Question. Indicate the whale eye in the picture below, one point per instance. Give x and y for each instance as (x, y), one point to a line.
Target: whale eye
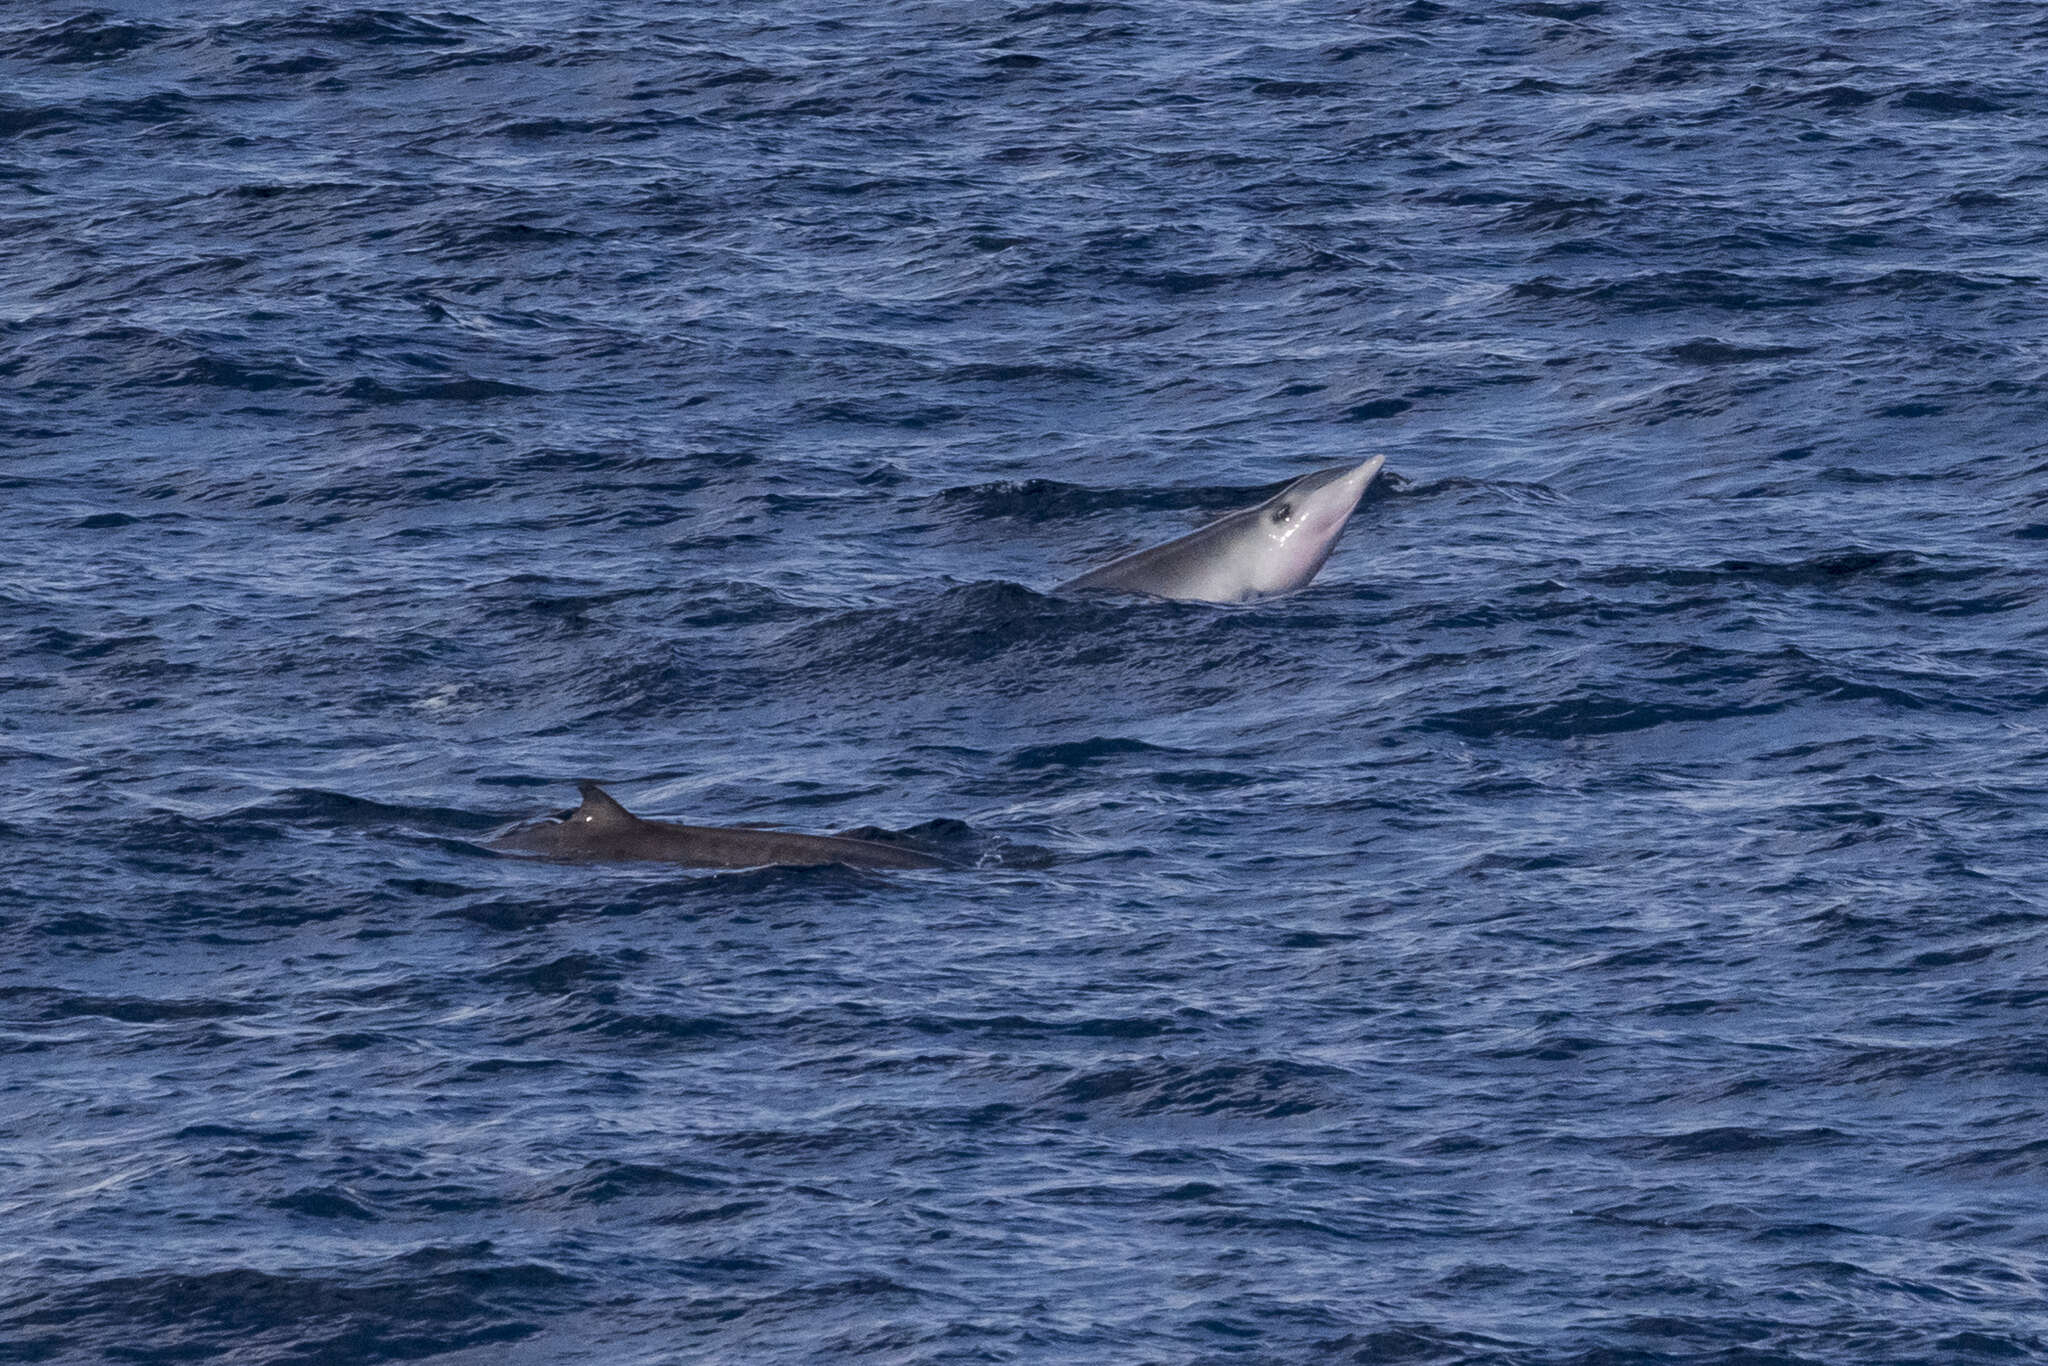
(1282, 513)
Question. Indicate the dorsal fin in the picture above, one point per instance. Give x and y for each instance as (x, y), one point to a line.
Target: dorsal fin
(599, 809)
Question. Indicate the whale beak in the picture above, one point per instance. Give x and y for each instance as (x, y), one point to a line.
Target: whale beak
(1338, 490)
(1362, 475)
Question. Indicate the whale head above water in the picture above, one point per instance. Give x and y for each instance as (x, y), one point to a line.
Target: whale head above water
(1256, 552)
(602, 831)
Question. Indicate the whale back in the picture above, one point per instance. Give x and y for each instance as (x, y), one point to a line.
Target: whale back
(600, 830)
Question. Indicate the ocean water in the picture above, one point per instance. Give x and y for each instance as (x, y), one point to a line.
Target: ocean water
(1598, 921)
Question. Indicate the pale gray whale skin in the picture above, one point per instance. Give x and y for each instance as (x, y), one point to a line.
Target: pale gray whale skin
(1255, 552)
(602, 831)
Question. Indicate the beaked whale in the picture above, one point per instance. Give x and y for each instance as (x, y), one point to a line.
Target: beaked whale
(1255, 552)
(600, 830)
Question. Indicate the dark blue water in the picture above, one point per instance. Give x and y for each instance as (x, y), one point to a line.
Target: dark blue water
(1599, 921)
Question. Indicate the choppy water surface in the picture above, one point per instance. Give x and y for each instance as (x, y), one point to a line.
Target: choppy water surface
(1598, 921)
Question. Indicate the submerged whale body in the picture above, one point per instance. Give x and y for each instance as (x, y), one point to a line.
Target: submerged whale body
(1255, 552)
(602, 831)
